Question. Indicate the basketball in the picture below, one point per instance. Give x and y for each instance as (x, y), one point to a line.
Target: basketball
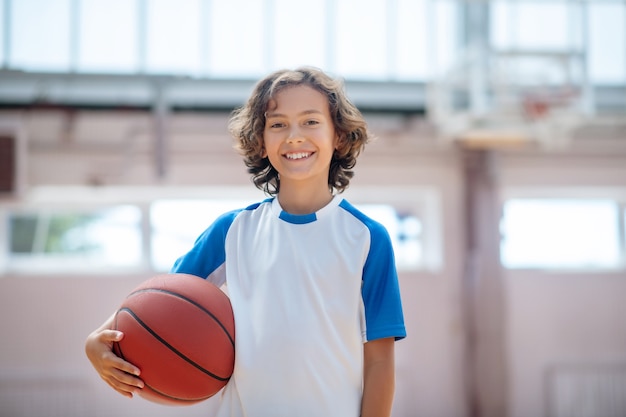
(179, 330)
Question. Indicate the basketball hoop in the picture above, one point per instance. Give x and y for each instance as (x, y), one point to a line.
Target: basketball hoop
(539, 104)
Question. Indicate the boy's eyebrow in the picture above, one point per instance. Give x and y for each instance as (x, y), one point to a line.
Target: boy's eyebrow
(305, 112)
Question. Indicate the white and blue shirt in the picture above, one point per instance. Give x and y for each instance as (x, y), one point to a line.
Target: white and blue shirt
(307, 291)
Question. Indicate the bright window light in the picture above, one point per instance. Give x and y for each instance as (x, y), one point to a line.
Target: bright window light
(238, 41)
(40, 35)
(511, 22)
(173, 32)
(69, 240)
(361, 37)
(607, 39)
(405, 232)
(308, 47)
(109, 37)
(413, 40)
(3, 53)
(560, 234)
(176, 224)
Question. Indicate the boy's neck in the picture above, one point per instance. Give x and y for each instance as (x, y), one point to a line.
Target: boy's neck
(303, 200)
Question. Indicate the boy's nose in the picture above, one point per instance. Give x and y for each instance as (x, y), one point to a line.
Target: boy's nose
(294, 135)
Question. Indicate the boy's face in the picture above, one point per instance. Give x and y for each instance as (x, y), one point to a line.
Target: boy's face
(299, 136)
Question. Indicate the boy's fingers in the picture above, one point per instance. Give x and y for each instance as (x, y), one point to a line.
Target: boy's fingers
(123, 383)
(127, 380)
(125, 367)
(132, 372)
(111, 335)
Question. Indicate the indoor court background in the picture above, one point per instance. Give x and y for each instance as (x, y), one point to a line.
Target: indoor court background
(499, 169)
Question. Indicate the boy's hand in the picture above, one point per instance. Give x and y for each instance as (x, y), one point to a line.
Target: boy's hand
(122, 376)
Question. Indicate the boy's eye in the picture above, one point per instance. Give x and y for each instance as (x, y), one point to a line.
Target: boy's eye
(276, 125)
(311, 122)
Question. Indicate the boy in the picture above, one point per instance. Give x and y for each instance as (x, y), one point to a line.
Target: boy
(312, 280)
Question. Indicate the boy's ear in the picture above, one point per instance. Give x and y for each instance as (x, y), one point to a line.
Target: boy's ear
(337, 141)
(263, 153)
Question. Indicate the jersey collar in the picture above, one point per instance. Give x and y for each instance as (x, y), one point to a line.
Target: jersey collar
(304, 218)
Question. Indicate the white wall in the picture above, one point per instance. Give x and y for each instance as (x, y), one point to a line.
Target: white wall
(565, 322)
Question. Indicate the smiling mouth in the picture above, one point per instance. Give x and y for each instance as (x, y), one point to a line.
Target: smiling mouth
(298, 155)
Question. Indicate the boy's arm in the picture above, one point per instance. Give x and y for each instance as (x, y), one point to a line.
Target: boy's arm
(378, 378)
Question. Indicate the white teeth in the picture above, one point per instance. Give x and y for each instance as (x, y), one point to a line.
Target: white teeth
(298, 155)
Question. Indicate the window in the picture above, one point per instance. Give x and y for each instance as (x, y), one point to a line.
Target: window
(411, 215)
(308, 47)
(595, 28)
(174, 36)
(108, 39)
(607, 42)
(176, 224)
(511, 20)
(3, 52)
(361, 42)
(408, 40)
(47, 47)
(405, 231)
(53, 241)
(561, 234)
(238, 40)
(146, 230)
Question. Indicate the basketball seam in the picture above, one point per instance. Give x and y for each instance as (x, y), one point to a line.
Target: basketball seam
(189, 300)
(177, 398)
(169, 346)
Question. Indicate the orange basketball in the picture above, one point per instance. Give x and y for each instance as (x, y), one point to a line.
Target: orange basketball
(179, 330)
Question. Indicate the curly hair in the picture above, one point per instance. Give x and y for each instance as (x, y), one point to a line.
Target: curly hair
(247, 125)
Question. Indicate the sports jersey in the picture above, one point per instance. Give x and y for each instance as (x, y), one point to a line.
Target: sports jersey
(307, 291)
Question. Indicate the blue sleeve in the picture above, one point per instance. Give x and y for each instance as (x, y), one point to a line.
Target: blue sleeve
(380, 290)
(208, 252)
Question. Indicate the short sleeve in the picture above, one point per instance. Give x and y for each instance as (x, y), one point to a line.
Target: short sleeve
(208, 252)
(380, 289)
